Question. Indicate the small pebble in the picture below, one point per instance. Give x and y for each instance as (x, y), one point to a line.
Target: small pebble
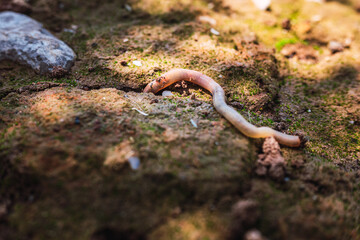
(126, 40)
(213, 31)
(128, 7)
(167, 94)
(134, 162)
(335, 47)
(220, 76)
(193, 123)
(69, 30)
(286, 179)
(351, 122)
(77, 120)
(262, 4)
(137, 63)
(309, 110)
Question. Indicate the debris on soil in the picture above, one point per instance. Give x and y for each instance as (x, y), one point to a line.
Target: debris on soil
(215, 32)
(134, 162)
(207, 19)
(271, 163)
(25, 41)
(245, 214)
(286, 24)
(193, 123)
(20, 6)
(123, 153)
(58, 72)
(137, 63)
(141, 112)
(335, 47)
(301, 52)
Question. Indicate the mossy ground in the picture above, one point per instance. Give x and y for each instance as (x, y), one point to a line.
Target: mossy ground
(55, 138)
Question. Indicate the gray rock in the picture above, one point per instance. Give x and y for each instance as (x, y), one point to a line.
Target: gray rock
(25, 41)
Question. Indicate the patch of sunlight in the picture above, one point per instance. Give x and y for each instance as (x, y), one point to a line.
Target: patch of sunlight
(191, 226)
(59, 105)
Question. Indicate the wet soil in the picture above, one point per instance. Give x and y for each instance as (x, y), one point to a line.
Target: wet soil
(65, 141)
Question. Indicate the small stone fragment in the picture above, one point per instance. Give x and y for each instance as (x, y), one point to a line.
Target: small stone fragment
(134, 162)
(213, 31)
(167, 94)
(128, 7)
(193, 123)
(335, 47)
(25, 41)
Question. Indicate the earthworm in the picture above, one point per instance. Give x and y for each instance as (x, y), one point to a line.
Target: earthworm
(220, 105)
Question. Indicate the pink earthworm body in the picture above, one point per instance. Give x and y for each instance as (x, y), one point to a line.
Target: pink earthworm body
(220, 105)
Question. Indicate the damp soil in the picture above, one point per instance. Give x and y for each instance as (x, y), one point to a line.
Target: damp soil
(65, 142)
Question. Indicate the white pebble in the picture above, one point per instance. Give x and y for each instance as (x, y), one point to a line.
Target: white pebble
(262, 4)
(220, 76)
(134, 162)
(167, 94)
(125, 40)
(309, 110)
(128, 7)
(213, 31)
(137, 63)
(351, 122)
(193, 123)
(141, 112)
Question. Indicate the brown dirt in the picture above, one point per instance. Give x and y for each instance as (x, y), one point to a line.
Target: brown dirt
(65, 140)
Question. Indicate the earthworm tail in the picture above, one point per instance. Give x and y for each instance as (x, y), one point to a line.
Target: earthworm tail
(220, 105)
